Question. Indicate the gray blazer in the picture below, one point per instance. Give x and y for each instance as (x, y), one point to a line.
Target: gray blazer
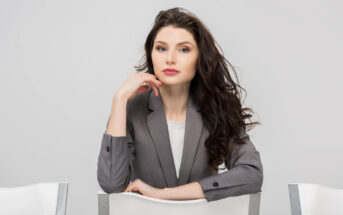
(145, 153)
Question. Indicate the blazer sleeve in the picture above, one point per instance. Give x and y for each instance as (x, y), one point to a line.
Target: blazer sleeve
(113, 170)
(244, 176)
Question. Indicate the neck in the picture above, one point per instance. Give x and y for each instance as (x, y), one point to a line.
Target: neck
(175, 100)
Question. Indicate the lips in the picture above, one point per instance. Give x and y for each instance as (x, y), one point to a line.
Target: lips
(170, 71)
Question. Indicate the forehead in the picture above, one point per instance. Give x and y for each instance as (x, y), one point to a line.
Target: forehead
(174, 35)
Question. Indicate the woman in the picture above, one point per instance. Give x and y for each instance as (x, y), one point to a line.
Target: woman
(171, 126)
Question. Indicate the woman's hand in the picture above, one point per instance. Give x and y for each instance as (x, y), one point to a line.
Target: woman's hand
(134, 84)
(145, 189)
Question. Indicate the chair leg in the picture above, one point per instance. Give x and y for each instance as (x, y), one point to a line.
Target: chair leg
(103, 204)
(62, 199)
(254, 203)
(294, 199)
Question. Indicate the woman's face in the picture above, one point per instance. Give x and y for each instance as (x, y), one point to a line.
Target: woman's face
(174, 48)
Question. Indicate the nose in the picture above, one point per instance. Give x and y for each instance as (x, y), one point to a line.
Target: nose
(171, 57)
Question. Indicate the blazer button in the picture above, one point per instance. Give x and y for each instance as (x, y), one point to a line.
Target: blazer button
(107, 148)
(215, 184)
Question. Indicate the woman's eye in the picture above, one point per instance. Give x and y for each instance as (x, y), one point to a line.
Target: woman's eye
(187, 50)
(158, 48)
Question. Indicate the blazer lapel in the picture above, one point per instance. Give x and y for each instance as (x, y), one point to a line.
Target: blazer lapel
(157, 124)
(193, 131)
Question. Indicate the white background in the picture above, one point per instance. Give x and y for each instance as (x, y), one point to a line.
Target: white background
(62, 61)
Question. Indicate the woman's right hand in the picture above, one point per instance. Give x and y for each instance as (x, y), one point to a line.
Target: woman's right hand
(134, 84)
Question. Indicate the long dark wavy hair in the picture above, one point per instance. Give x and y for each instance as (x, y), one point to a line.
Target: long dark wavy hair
(212, 88)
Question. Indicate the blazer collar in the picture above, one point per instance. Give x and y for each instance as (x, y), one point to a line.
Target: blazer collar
(157, 124)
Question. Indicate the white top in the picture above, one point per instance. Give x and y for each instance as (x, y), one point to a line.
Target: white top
(176, 136)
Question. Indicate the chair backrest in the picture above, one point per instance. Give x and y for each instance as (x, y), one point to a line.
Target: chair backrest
(35, 199)
(130, 203)
(315, 199)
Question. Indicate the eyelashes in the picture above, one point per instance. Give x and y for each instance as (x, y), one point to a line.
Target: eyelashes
(158, 48)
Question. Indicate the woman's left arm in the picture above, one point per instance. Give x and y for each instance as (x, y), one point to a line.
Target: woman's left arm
(244, 176)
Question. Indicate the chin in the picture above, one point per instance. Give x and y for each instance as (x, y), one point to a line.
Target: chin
(165, 81)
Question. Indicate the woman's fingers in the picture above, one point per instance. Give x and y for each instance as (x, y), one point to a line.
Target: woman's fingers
(129, 187)
(143, 88)
(154, 83)
(155, 89)
(132, 186)
(152, 86)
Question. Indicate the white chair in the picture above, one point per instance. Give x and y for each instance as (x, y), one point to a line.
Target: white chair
(131, 203)
(35, 199)
(315, 199)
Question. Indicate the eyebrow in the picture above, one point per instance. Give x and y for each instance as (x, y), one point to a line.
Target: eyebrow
(176, 44)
